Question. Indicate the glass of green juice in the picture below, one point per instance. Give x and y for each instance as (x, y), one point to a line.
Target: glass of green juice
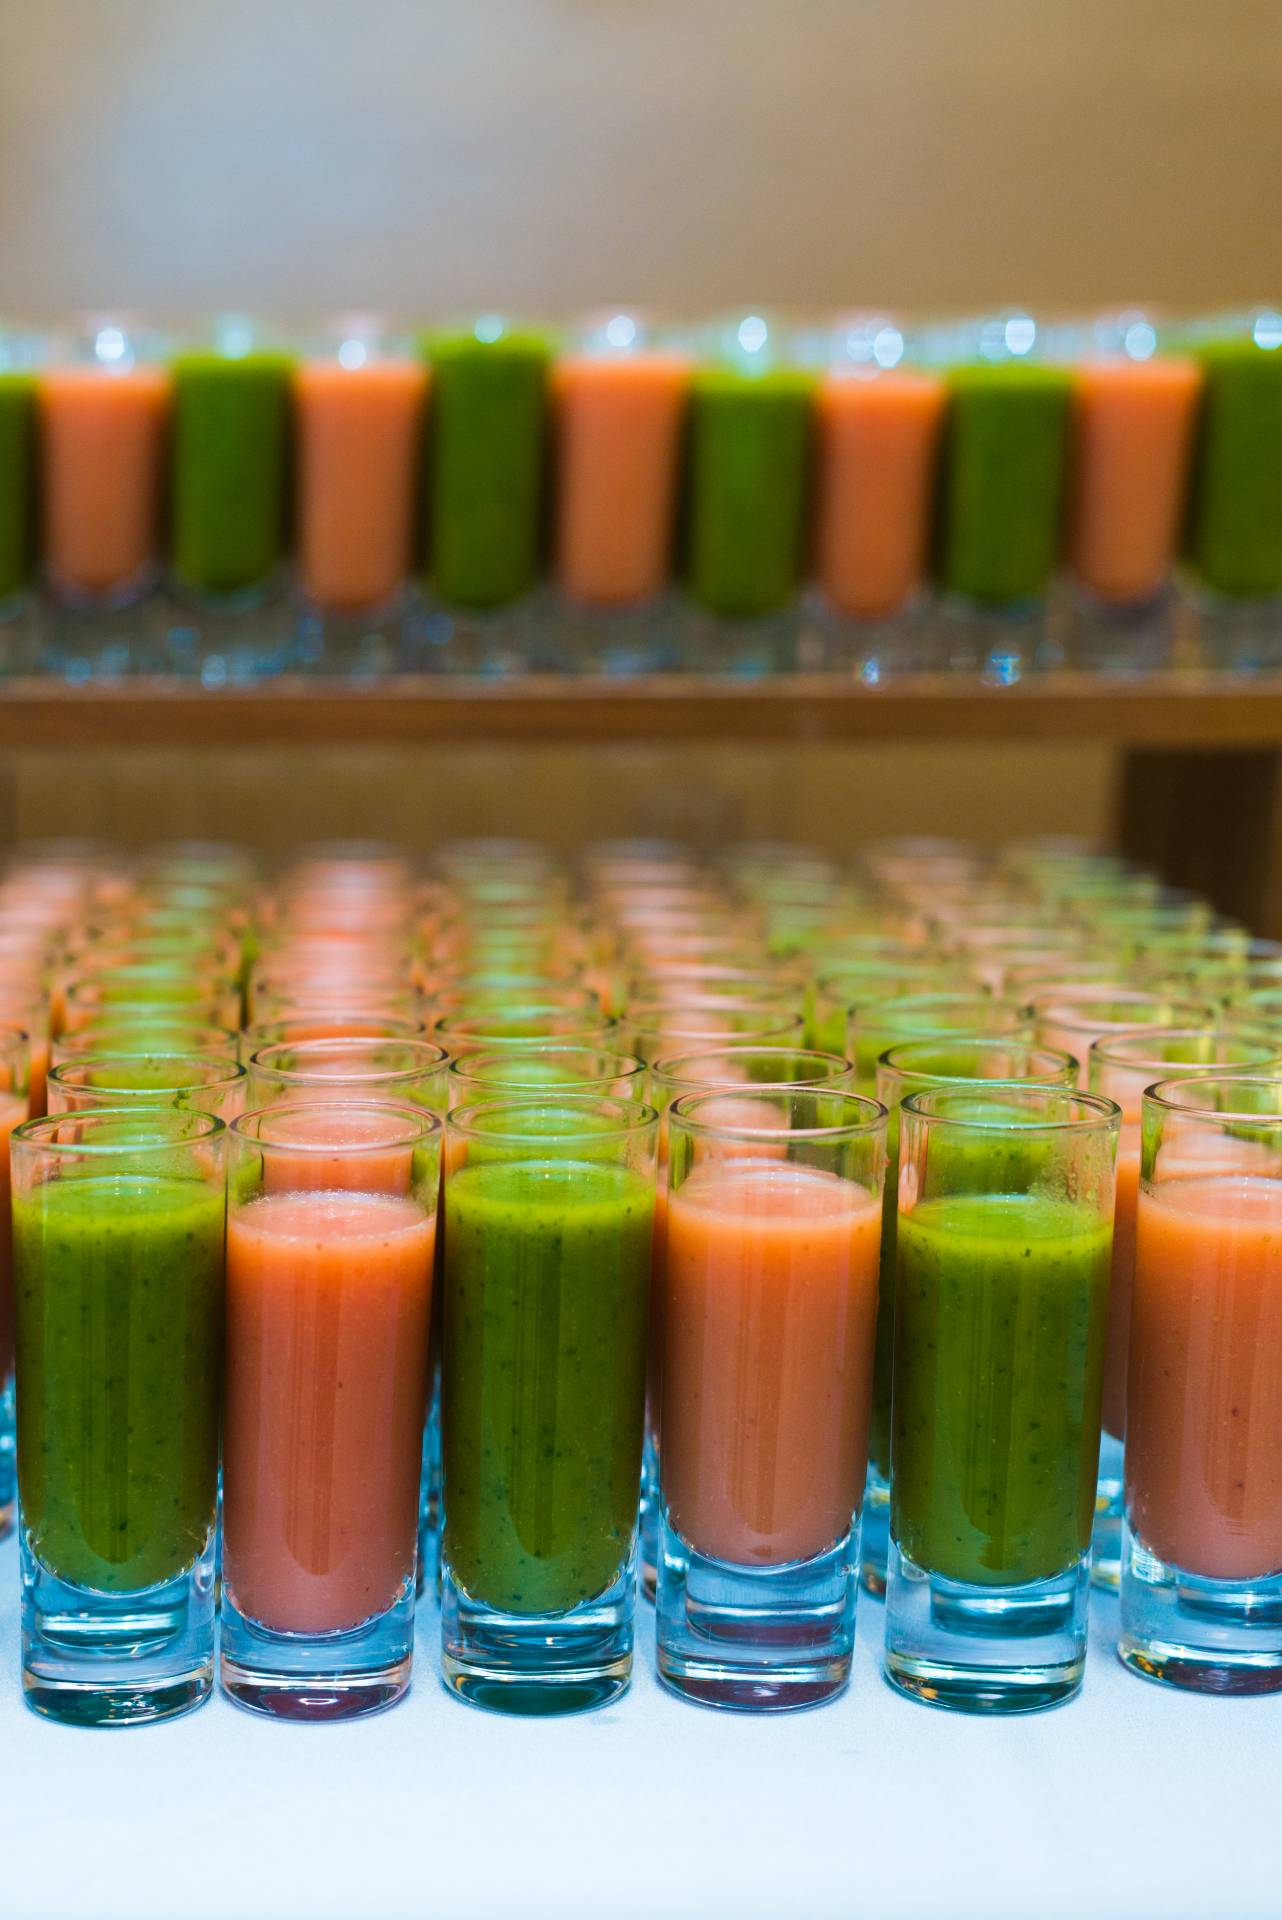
(1004, 1232)
(200, 1083)
(549, 1219)
(118, 1268)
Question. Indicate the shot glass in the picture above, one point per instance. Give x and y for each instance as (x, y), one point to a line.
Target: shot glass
(118, 1264)
(519, 1028)
(195, 1082)
(478, 1077)
(912, 1067)
(549, 1213)
(1074, 1018)
(342, 1022)
(351, 1067)
(1001, 1309)
(1201, 1595)
(1121, 1067)
(872, 1025)
(730, 1066)
(15, 1068)
(117, 1040)
(769, 1321)
(330, 1233)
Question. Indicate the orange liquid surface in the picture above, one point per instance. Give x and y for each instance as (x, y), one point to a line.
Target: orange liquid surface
(328, 1303)
(1204, 1408)
(769, 1311)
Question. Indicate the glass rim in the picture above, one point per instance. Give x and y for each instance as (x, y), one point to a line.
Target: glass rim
(1157, 1096)
(681, 1114)
(121, 1031)
(635, 1117)
(1093, 1111)
(624, 1066)
(1069, 1013)
(342, 1043)
(591, 1019)
(415, 1029)
(663, 1068)
(923, 1002)
(935, 1042)
(199, 1129)
(417, 1124)
(62, 1075)
(1108, 1049)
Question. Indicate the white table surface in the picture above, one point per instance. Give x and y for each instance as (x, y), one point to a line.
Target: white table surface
(1132, 1801)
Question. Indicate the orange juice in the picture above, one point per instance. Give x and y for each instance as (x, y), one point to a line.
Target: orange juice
(102, 449)
(1133, 424)
(359, 433)
(878, 440)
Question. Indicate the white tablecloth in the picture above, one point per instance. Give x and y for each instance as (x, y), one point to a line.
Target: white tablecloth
(1131, 1802)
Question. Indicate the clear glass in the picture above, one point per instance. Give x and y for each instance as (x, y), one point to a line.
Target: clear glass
(769, 1309)
(1121, 1067)
(1001, 1307)
(199, 1083)
(1074, 1018)
(650, 1030)
(520, 1028)
(352, 1067)
(912, 1067)
(151, 989)
(15, 1070)
(1201, 1592)
(118, 1259)
(330, 1245)
(549, 1211)
(872, 1025)
(334, 1023)
(588, 1070)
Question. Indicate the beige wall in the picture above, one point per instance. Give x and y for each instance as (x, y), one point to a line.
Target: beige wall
(430, 154)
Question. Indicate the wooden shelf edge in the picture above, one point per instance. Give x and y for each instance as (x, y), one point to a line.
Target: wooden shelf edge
(1178, 710)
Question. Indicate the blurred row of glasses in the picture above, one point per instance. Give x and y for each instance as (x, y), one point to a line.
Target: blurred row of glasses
(753, 1225)
(234, 500)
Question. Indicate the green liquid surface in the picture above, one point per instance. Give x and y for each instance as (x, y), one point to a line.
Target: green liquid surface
(747, 483)
(230, 468)
(119, 1284)
(547, 1274)
(1000, 1313)
(487, 451)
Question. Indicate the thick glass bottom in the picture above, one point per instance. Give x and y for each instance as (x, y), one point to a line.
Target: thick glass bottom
(1106, 1532)
(429, 1500)
(1007, 1649)
(648, 1529)
(1206, 1636)
(1001, 644)
(116, 1659)
(872, 649)
(229, 640)
(756, 1639)
(351, 646)
(108, 641)
(874, 1535)
(748, 648)
(8, 1460)
(493, 643)
(622, 640)
(317, 1676)
(1101, 636)
(1238, 636)
(538, 1664)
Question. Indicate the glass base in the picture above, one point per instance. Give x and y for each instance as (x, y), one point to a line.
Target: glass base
(875, 1536)
(490, 643)
(1106, 1533)
(975, 1649)
(749, 648)
(8, 1460)
(1238, 636)
(609, 640)
(22, 620)
(756, 1639)
(109, 1659)
(318, 1676)
(1001, 644)
(350, 646)
(429, 1498)
(1101, 636)
(229, 640)
(648, 1543)
(538, 1664)
(83, 643)
(872, 649)
(1206, 1636)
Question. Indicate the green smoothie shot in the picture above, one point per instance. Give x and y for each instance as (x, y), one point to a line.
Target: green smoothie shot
(748, 478)
(1003, 1260)
(549, 1217)
(118, 1221)
(17, 482)
(1234, 545)
(230, 476)
(486, 463)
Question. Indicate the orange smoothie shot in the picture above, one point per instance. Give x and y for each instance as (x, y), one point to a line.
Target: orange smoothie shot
(328, 1304)
(103, 435)
(359, 420)
(618, 425)
(769, 1309)
(1132, 442)
(878, 442)
(1204, 1412)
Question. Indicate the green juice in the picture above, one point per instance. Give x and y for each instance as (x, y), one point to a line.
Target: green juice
(1002, 481)
(547, 1275)
(486, 461)
(119, 1284)
(1000, 1316)
(231, 459)
(1234, 540)
(17, 481)
(749, 456)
